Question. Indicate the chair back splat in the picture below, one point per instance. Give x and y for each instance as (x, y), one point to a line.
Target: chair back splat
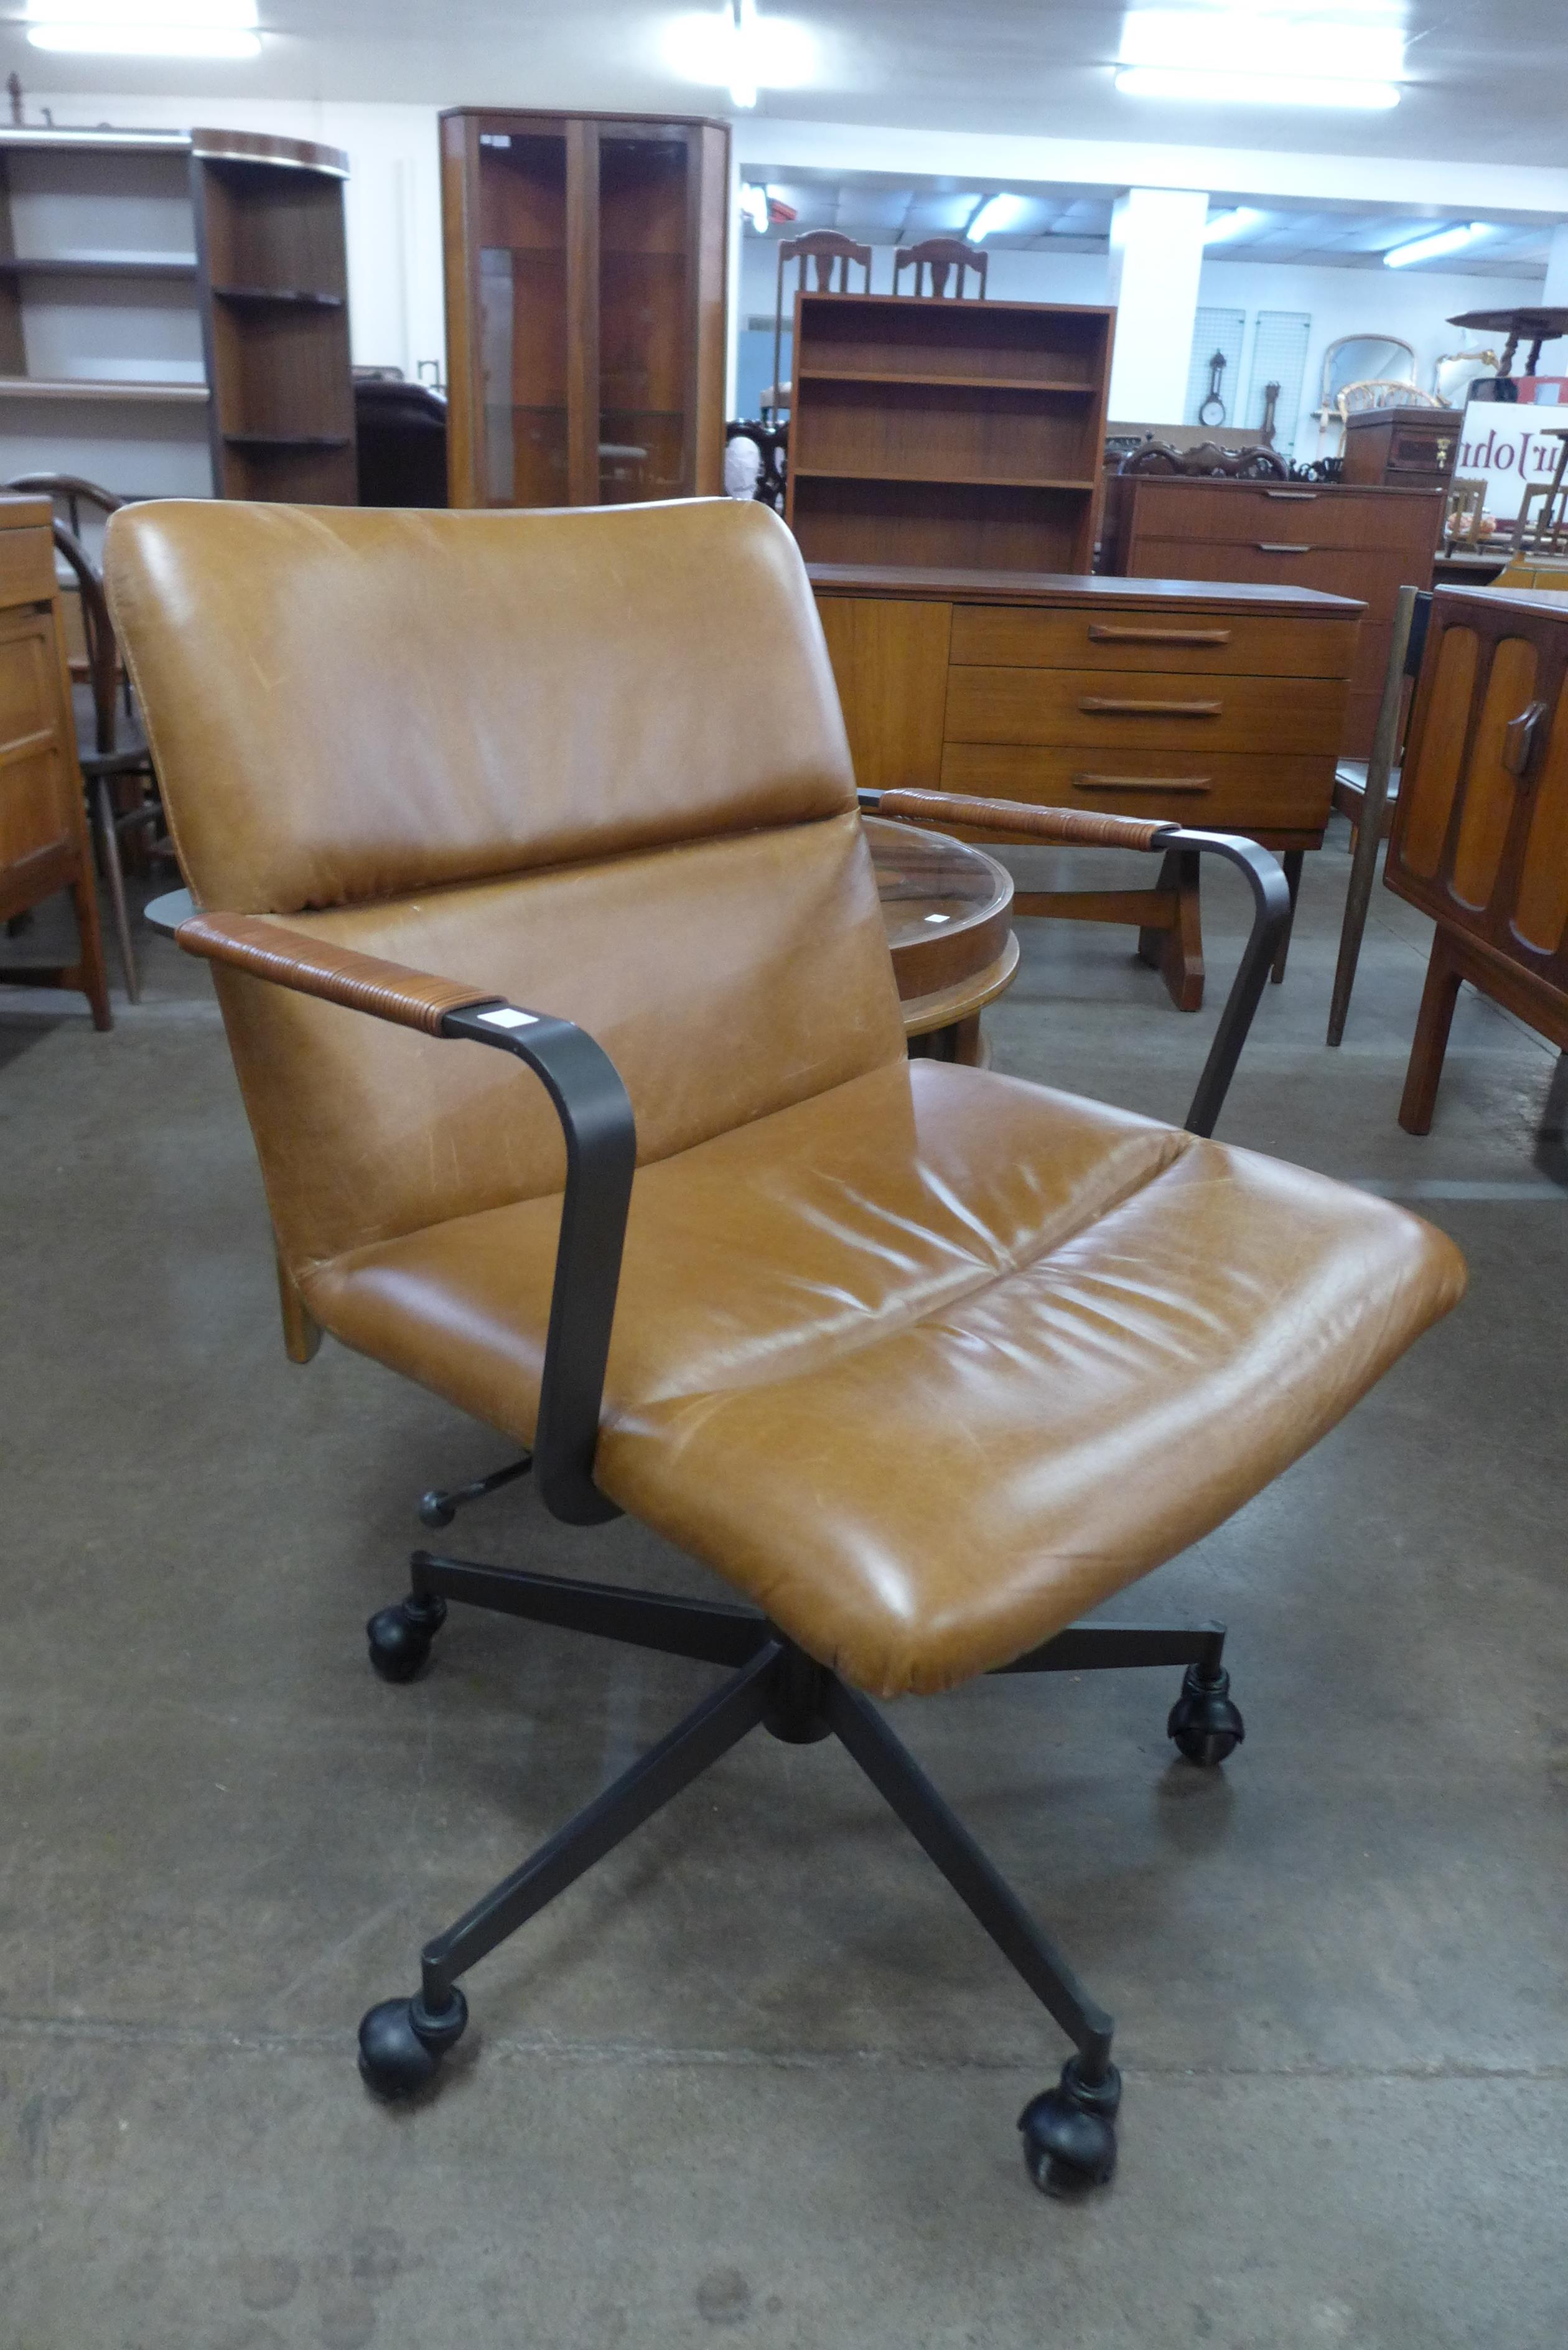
(477, 749)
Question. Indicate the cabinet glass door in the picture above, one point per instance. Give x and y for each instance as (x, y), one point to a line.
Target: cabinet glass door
(523, 318)
(645, 301)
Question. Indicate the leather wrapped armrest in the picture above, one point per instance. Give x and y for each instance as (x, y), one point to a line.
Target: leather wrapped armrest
(597, 1121)
(1067, 827)
(361, 982)
(1017, 821)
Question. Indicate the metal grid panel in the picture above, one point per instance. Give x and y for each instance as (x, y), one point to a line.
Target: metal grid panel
(1279, 356)
(1214, 330)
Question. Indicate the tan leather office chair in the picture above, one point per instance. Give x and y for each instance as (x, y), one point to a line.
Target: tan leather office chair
(924, 1360)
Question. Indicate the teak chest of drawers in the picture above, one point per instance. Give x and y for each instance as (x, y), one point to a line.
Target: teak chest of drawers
(1481, 828)
(1222, 707)
(1364, 542)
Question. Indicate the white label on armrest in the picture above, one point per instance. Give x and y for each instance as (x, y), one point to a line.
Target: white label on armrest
(507, 1018)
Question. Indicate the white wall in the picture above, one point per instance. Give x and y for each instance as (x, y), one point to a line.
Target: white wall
(1413, 303)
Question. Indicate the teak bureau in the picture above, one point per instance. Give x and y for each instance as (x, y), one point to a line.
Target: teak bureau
(1221, 707)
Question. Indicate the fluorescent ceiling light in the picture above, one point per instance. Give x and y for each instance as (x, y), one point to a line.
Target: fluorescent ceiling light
(995, 214)
(1328, 55)
(732, 48)
(1225, 225)
(145, 28)
(1431, 248)
(1253, 90)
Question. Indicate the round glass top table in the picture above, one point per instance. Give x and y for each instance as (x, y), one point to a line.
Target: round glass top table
(948, 910)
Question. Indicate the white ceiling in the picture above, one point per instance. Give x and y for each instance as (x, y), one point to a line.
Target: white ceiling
(1482, 81)
(879, 208)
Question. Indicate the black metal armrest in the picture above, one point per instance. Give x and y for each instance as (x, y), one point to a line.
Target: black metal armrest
(1075, 827)
(597, 1121)
(596, 1115)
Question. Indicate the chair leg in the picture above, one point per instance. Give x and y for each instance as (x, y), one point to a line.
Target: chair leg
(114, 877)
(708, 1631)
(402, 2040)
(1430, 1042)
(1069, 2131)
(1292, 861)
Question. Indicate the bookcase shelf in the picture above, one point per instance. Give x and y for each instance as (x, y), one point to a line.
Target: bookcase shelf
(943, 432)
(175, 322)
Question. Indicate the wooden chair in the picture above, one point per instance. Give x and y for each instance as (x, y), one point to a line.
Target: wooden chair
(939, 255)
(111, 749)
(1367, 791)
(828, 257)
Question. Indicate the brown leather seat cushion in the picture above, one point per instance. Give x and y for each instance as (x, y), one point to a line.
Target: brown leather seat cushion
(932, 1362)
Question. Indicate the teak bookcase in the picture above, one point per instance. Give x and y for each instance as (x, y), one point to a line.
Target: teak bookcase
(270, 246)
(173, 313)
(941, 432)
(585, 259)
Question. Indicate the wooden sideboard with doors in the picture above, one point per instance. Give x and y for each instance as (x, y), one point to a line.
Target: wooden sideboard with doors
(1481, 830)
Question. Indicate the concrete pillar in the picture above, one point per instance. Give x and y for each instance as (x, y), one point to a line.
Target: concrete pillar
(1554, 293)
(732, 292)
(1157, 254)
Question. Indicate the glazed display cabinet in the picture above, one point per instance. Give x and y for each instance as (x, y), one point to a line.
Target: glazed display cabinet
(584, 306)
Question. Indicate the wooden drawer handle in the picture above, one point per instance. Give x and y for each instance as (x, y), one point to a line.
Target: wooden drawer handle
(1292, 497)
(1085, 782)
(1104, 636)
(1519, 738)
(1100, 706)
(1280, 547)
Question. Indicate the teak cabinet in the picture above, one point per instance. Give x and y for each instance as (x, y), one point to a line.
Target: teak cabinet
(1218, 707)
(1366, 542)
(586, 261)
(1481, 828)
(43, 824)
(173, 313)
(932, 432)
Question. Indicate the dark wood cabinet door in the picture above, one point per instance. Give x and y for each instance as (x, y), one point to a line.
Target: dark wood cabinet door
(1480, 837)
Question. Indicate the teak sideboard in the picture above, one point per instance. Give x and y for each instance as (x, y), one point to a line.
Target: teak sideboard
(1222, 707)
(1365, 542)
(1480, 828)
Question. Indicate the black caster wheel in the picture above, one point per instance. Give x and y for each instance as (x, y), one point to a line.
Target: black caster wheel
(1204, 1723)
(402, 2044)
(400, 1637)
(1069, 2132)
(435, 1510)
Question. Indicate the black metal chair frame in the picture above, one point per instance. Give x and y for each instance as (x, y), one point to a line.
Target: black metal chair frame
(1068, 2130)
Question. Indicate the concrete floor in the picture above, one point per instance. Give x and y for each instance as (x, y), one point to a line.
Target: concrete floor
(755, 2079)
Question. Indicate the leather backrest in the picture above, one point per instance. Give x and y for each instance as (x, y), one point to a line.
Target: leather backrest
(379, 701)
(593, 760)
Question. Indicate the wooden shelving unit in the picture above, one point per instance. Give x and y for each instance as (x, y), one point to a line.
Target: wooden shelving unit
(585, 290)
(946, 432)
(270, 242)
(173, 315)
